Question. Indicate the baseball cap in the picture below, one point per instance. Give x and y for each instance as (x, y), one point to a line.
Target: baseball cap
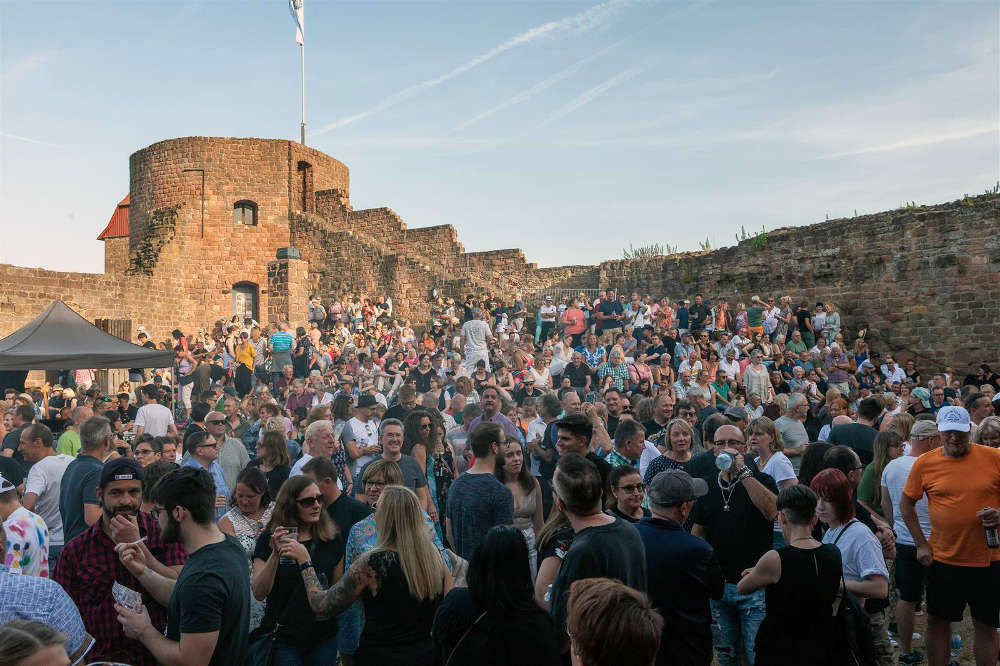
(953, 418)
(674, 486)
(923, 395)
(5, 485)
(367, 400)
(121, 469)
(548, 298)
(737, 413)
(923, 430)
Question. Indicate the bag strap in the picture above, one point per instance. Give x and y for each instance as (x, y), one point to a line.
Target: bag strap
(846, 527)
(467, 631)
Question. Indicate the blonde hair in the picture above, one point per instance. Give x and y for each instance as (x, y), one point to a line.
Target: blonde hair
(401, 528)
(765, 426)
(902, 423)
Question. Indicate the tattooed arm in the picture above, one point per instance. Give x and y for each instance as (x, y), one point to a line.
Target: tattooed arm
(344, 593)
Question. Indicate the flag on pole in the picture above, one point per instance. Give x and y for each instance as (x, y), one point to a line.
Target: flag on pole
(297, 8)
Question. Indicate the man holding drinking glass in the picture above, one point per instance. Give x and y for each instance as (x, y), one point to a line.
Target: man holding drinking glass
(204, 450)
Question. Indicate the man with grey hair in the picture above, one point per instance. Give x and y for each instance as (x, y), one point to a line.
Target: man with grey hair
(683, 573)
(793, 432)
(69, 441)
(78, 503)
(319, 441)
(911, 575)
(233, 456)
(476, 336)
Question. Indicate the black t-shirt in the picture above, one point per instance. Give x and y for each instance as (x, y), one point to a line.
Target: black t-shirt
(612, 425)
(212, 593)
(610, 308)
(12, 440)
(801, 317)
(697, 314)
(526, 637)
(652, 428)
(577, 374)
(604, 467)
(424, 379)
(346, 512)
(11, 470)
(397, 411)
(741, 535)
(287, 603)
(858, 436)
(520, 394)
(606, 551)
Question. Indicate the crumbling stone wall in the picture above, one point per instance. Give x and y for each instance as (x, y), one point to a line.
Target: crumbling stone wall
(923, 281)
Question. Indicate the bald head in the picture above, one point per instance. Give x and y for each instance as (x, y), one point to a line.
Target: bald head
(843, 419)
(728, 436)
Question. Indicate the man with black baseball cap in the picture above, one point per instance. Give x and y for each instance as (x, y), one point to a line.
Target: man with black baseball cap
(683, 573)
(90, 566)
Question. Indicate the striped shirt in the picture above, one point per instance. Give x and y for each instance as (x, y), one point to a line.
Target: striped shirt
(282, 341)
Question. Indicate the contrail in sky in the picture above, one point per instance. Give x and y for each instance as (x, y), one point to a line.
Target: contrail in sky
(583, 21)
(592, 94)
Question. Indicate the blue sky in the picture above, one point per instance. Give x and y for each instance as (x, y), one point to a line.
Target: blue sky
(523, 124)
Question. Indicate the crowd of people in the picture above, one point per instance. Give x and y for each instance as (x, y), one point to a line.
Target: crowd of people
(627, 481)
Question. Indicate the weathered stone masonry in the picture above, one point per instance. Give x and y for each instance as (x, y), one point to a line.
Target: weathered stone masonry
(924, 281)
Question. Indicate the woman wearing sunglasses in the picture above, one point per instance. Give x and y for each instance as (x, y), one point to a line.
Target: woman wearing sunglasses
(300, 636)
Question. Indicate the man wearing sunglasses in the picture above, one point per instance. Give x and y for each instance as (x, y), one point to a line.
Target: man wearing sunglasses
(736, 517)
(233, 456)
(204, 450)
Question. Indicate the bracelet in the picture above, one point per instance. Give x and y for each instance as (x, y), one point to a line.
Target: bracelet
(305, 565)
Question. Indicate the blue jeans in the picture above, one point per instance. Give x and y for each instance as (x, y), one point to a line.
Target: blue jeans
(349, 626)
(733, 616)
(321, 654)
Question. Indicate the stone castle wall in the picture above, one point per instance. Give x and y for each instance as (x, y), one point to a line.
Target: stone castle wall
(923, 281)
(919, 279)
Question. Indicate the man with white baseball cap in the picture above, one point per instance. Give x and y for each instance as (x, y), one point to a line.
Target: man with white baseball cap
(961, 481)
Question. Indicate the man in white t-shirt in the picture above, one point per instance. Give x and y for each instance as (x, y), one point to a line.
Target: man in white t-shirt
(365, 429)
(910, 574)
(547, 316)
(475, 337)
(41, 488)
(153, 418)
(319, 443)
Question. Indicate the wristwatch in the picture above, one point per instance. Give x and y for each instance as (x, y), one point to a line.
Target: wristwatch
(305, 565)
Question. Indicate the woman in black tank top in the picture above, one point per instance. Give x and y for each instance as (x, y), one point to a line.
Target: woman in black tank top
(802, 581)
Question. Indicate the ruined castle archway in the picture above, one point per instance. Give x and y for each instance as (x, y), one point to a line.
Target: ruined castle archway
(246, 300)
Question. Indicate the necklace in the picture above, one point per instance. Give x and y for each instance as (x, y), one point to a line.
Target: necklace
(730, 488)
(800, 538)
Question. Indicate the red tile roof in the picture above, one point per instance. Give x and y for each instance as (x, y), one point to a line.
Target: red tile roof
(118, 226)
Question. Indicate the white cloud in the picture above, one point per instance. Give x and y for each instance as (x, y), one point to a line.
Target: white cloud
(26, 65)
(590, 95)
(917, 141)
(580, 22)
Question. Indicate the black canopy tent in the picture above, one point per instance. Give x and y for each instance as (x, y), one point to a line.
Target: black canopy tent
(60, 339)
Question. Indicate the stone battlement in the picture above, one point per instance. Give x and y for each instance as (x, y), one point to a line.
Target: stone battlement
(208, 215)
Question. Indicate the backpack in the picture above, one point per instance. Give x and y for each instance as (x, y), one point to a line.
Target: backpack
(852, 628)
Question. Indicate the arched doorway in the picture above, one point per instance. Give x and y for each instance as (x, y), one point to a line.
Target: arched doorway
(245, 300)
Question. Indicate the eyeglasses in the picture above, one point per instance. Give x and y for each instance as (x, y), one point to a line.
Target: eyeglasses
(633, 488)
(305, 502)
(425, 426)
(736, 443)
(215, 421)
(206, 445)
(375, 484)
(144, 452)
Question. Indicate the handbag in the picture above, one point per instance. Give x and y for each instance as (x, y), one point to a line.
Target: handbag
(852, 626)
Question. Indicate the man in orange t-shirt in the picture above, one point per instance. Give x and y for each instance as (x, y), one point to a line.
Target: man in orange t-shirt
(962, 484)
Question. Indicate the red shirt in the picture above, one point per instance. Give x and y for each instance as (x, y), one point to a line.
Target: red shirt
(89, 566)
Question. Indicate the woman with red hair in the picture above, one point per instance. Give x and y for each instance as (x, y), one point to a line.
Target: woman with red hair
(865, 572)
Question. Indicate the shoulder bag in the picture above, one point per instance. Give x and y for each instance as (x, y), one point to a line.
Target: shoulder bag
(852, 627)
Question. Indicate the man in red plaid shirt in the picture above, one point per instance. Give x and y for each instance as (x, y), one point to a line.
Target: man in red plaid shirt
(90, 565)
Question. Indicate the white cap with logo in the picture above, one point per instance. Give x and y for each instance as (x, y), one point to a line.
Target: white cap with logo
(953, 418)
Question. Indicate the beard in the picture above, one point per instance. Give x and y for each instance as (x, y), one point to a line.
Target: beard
(172, 532)
(128, 511)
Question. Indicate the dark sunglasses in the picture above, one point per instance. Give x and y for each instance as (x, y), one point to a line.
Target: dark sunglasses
(309, 501)
(215, 421)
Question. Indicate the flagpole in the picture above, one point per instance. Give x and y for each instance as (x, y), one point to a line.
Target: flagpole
(303, 127)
